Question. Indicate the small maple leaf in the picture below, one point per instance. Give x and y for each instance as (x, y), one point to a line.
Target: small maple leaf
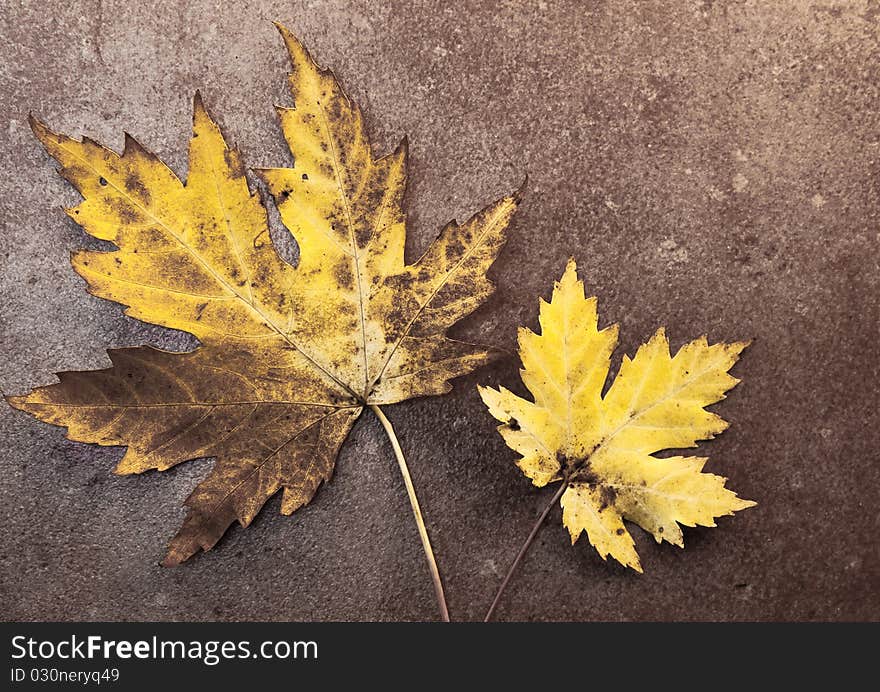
(602, 447)
(288, 356)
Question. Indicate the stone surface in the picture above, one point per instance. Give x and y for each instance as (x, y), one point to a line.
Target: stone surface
(713, 167)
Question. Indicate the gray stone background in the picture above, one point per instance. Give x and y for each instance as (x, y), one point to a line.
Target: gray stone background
(712, 165)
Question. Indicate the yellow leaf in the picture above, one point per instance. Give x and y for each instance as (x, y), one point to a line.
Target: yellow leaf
(602, 447)
(288, 356)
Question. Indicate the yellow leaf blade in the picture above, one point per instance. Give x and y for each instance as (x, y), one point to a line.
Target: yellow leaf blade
(602, 447)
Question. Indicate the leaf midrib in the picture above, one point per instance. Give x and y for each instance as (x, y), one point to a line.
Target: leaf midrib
(354, 246)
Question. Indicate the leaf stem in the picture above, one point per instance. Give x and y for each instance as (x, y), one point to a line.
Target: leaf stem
(525, 548)
(417, 512)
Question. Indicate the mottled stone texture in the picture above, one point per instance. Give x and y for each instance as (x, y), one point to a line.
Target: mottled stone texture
(713, 166)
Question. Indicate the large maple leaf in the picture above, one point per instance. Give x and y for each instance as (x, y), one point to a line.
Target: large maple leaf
(288, 356)
(601, 448)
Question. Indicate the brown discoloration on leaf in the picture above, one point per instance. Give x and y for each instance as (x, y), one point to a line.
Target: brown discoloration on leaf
(584, 473)
(288, 356)
(125, 211)
(233, 162)
(135, 186)
(607, 495)
(343, 275)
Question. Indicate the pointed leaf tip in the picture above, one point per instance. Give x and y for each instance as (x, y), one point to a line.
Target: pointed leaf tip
(39, 128)
(296, 50)
(200, 110)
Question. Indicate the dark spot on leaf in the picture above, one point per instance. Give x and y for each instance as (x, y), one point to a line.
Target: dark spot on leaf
(403, 307)
(398, 284)
(513, 424)
(607, 495)
(454, 250)
(136, 187)
(584, 473)
(126, 212)
(362, 234)
(236, 169)
(199, 309)
(343, 275)
(102, 180)
(305, 176)
(619, 532)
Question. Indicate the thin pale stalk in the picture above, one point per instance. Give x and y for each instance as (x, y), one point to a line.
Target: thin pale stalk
(524, 549)
(417, 512)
